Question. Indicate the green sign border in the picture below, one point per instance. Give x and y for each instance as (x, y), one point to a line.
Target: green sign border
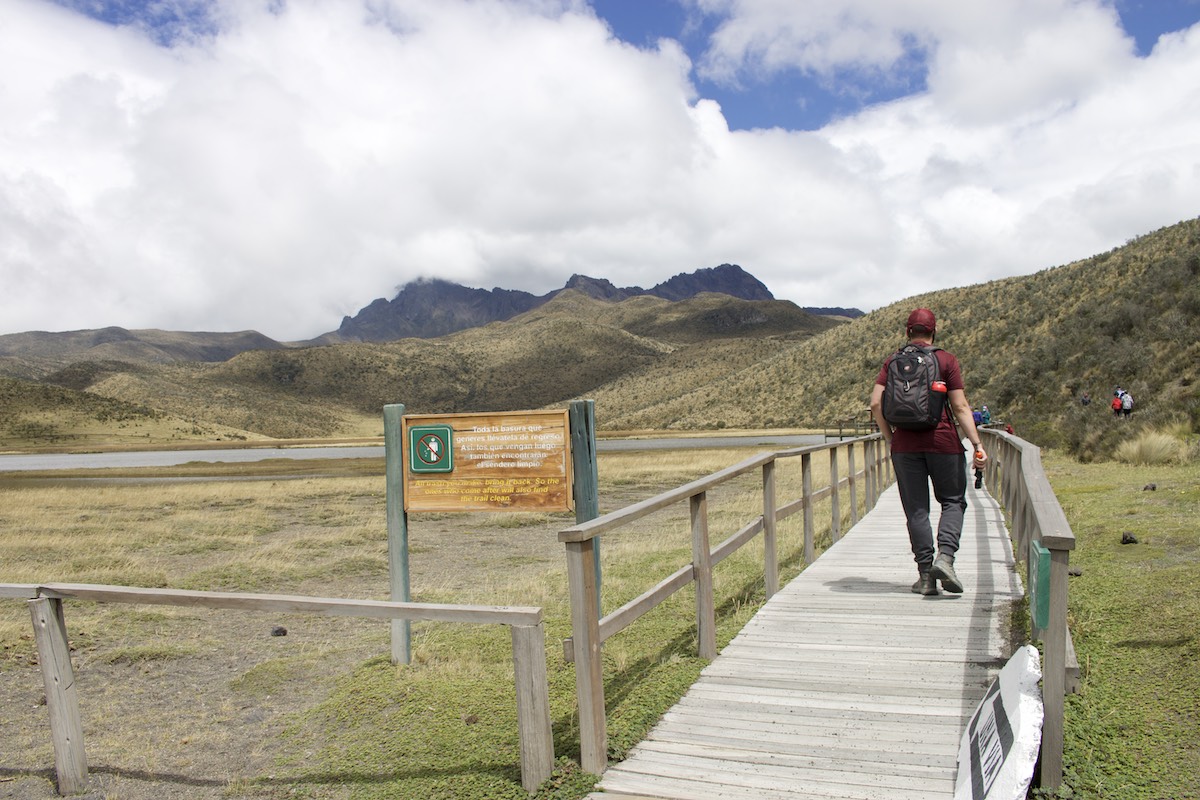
(445, 434)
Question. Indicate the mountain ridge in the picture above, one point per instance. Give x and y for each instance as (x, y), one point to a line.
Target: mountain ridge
(426, 309)
(432, 307)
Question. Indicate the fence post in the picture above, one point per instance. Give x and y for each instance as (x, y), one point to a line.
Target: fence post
(810, 552)
(835, 520)
(853, 476)
(1054, 677)
(885, 459)
(706, 615)
(533, 704)
(869, 473)
(585, 638)
(62, 698)
(770, 545)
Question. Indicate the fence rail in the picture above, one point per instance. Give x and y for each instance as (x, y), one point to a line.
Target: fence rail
(70, 762)
(589, 630)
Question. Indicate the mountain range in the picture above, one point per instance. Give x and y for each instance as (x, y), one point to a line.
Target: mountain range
(423, 309)
(1030, 346)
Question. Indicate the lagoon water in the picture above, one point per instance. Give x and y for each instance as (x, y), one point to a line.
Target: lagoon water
(171, 458)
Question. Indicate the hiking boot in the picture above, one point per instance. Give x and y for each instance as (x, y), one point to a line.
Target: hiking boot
(943, 570)
(925, 585)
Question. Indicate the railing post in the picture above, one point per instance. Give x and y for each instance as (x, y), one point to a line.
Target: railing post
(1013, 466)
(533, 704)
(770, 543)
(886, 467)
(835, 513)
(1023, 518)
(869, 473)
(989, 471)
(1054, 677)
(853, 486)
(589, 675)
(706, 615)
(62, 699)
(810, 552)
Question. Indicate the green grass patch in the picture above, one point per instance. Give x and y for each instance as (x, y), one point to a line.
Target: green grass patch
(1132, 731)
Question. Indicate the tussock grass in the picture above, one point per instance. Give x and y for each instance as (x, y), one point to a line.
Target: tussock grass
(1152, 447)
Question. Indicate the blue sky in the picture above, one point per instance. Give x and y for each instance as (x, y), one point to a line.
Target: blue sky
(799, 100)
(790, 98)
(277, 164)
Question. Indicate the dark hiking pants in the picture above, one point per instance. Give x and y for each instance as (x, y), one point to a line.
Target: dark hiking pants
(948, 473)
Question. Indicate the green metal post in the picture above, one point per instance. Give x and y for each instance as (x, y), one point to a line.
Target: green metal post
(397, 529)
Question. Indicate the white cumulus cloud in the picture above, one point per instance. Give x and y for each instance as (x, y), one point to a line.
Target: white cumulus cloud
(277, 165)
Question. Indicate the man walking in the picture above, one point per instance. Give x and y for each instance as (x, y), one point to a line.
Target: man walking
(935, 455)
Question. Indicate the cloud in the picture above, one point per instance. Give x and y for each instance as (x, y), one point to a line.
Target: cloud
(275, 166)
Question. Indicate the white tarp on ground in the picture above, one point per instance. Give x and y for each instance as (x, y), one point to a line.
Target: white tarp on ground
(1000, 746)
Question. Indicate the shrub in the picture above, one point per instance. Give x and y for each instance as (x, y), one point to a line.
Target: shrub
(1152, 447)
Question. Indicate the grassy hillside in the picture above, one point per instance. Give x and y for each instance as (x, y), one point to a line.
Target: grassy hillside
(36, 354)
(55, 417)
(1029, 347)
(566, 348)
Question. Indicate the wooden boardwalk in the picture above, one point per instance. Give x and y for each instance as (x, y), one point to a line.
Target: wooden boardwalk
(845, 684)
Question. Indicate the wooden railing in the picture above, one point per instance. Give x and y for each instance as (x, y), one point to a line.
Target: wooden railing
(1015, 467)
(1038, 524)
(589, 630)
(850, 427)
(70, 762)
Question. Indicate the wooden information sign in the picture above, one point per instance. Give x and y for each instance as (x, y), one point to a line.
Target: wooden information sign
(502, 461)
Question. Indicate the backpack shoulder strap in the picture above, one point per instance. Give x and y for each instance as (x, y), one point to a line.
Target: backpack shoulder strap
(925, 348)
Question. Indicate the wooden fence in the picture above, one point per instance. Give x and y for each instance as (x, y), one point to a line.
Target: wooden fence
(62, 701)
(589, 630)
(1037, 521)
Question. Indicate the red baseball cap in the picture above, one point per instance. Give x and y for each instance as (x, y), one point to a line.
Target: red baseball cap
(922, 319)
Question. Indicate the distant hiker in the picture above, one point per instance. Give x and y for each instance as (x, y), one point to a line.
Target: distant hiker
(987, 416)
(933, 452)
(1126, 404)
(1085, 399)
(1116, 404)
(977, 415)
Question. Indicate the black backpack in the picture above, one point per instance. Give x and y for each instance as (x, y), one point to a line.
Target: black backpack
(909, 399)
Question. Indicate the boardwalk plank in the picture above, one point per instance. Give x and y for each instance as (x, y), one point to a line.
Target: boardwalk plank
(845, 684)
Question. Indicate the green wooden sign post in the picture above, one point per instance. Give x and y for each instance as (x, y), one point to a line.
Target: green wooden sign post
(587, 477)
(397, 528)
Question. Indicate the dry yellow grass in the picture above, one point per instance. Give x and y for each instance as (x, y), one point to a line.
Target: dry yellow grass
(187, 692)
